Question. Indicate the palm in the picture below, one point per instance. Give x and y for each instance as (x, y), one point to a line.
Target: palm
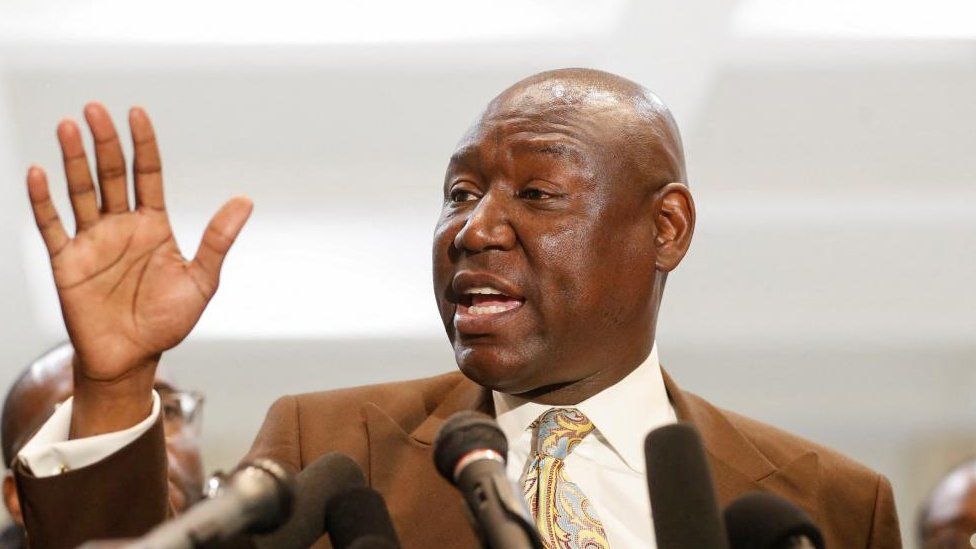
(124, 283)
(127, 293)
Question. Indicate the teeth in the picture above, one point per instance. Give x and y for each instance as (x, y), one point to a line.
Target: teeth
(488, 310)
(485, 290)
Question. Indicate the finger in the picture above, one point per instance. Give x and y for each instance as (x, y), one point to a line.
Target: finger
(45, 214)
(108, 158)
(221, 232)
(147, 167)
(81, 189)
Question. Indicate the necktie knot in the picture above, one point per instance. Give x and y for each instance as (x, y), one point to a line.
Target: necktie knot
(559, 431)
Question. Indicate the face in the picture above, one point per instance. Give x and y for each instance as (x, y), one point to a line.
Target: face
(184, 464)
(544, 259)
(185, 471)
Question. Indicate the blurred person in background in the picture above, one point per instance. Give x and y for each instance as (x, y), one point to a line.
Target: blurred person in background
(947, 519)
(47, 382)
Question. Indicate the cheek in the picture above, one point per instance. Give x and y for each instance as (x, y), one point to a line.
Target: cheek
(444, 234)
(443, 265)
(588, 274)
(184, 456)
(565, 262)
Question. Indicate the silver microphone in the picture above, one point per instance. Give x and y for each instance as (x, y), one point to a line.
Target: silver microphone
(255, 498)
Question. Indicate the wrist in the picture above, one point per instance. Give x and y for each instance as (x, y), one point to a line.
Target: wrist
(107, 405)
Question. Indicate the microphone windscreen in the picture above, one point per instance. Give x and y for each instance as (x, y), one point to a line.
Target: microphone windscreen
(358, 515)
(315, 485)
(680, 485)
(462, 433)
(761, 520)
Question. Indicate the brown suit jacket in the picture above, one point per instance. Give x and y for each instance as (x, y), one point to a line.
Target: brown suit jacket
(389, 429)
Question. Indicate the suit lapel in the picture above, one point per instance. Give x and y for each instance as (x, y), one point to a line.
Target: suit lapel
(738, 467)
(426, 509)
(466, 395)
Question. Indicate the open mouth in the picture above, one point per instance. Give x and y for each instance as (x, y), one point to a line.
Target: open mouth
(485, 300)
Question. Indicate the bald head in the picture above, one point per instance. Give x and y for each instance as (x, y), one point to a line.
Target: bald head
(33, 397)
(635, 125)
(950, 510)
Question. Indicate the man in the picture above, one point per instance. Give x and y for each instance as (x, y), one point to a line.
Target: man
(565, 207)
(46, 383)
(948, 516)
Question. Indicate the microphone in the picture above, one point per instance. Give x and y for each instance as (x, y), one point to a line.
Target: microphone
(761, 520)
(358, 518)
(682, 496)
(470, 451)
(255, 498)
(315, 485)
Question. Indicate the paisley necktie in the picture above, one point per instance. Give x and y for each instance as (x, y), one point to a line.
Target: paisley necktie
(563, 514)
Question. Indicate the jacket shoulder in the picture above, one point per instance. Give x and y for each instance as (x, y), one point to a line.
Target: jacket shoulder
(853, 504)
(782, 448)
(409, 402)
(300, 428)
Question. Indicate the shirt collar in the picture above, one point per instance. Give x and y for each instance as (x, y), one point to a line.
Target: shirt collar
(623, 413)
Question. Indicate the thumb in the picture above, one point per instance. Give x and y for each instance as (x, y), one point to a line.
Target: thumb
(217, 239)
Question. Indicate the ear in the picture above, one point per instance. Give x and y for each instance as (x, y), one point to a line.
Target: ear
(674, 220)
(10, 498)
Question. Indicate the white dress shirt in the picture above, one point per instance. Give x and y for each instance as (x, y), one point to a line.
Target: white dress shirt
(608, 465)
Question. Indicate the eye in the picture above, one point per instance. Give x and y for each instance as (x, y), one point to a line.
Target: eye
(462, 195)
(534, 194)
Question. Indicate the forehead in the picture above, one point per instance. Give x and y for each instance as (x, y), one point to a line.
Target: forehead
(49, 379)
(508, 144)
(545, 119)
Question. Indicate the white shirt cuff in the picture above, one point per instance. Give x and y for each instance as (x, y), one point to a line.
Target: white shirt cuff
(50, 453)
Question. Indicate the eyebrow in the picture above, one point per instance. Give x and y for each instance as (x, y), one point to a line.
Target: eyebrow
(554, 148)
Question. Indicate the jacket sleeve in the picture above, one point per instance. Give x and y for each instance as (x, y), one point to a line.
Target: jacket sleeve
(885, 533)
(122, 495)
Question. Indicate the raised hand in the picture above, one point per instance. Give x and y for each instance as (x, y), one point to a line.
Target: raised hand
(127, 294)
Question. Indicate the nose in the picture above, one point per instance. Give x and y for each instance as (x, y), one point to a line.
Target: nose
(488, 227)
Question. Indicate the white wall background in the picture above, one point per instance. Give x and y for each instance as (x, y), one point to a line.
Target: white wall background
(830, 143)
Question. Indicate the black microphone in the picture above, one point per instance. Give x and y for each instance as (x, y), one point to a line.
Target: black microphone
(255, 498)
(682, 496)
(470, 451)
(761, 520)
(315, 485)
(358, 517)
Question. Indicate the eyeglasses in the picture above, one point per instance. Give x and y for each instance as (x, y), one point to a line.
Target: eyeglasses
(182, 412)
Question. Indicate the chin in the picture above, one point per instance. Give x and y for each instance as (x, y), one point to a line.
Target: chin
(494, 368)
